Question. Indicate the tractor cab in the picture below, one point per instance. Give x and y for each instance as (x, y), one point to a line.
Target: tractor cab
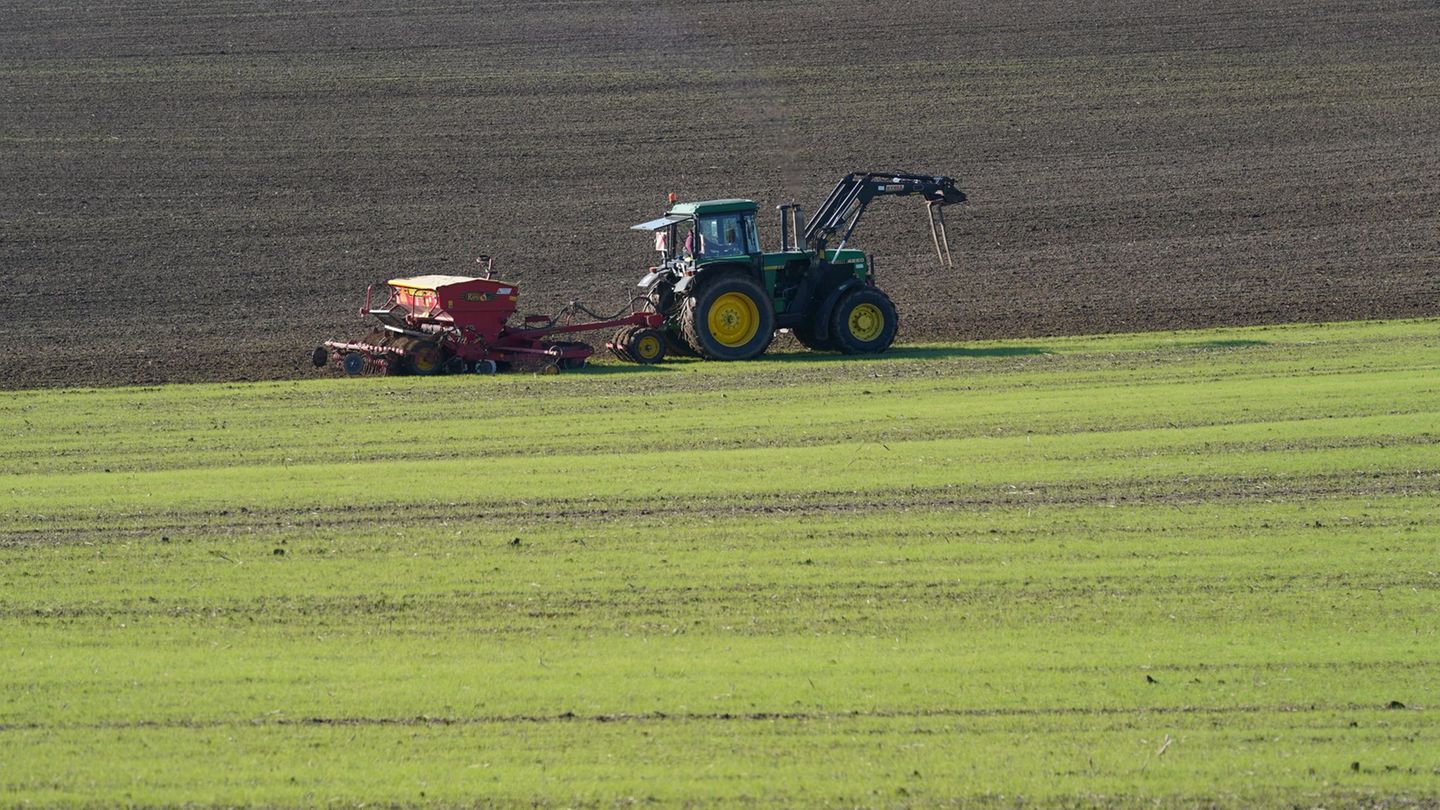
(703, 233)
(723, 298)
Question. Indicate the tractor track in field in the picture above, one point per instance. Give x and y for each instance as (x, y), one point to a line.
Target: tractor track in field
(988, 427)
(712, 717)
(1193, 490)
(205, 195)
(850, 605)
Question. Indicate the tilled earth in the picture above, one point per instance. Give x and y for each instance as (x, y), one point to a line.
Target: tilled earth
(202, 192)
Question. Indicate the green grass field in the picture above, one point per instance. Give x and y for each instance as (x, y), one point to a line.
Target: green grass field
(1185, 568)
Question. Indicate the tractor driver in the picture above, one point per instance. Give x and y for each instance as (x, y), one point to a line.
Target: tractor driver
(717, 237)
(728, 244)
(720, 237)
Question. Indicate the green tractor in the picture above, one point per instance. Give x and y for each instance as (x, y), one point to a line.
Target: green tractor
(724, 297)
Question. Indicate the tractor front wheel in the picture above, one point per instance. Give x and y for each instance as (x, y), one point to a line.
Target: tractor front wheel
(730, 318)
(864, 322)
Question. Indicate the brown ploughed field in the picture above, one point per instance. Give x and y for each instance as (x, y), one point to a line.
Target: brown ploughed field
(202, 191)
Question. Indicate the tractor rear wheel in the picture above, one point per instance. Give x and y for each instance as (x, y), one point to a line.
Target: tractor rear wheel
(729, 318)
(864, 322)
(675, 343)
(662, 300)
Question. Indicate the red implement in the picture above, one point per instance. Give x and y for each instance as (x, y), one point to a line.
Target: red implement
(436, 323)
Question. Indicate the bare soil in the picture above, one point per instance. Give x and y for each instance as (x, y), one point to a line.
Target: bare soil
(202, 191)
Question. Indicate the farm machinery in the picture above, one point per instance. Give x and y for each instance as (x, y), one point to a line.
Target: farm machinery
(723, 298)
(437, 323)
(715, 294)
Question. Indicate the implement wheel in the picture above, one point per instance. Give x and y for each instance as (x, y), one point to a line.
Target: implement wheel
(730, 318)
(645, 346)
(353, 363)
(426, 359)
(620, 343)
(662, 300)
(572, 363)
(864, 322)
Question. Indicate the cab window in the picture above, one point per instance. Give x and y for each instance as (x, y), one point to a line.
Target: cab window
(724, 235)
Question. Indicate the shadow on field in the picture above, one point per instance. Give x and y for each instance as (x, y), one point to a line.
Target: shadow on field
(914, 353)
(910, 353)
(1223, 344)
(606, 369)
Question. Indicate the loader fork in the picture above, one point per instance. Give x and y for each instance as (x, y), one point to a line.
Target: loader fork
(938, 233)
(841, 211)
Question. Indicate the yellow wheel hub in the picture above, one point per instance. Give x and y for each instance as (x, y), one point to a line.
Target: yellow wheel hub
(867, 322)
(426, 360)
(648, 347)
(733, 320)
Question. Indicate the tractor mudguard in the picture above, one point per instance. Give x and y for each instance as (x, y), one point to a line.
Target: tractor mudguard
(689, 281)
(821, 318)
(650, 278)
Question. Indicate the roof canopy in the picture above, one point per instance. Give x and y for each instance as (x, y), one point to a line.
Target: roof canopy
(712, 207)
(656, 224)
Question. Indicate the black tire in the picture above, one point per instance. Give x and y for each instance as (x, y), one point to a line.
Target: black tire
(864, 322)
(426, 359)
(662, 300)
(619, 343)
(736, 302)
(675, 344)
(645, 346)
(571, 363)
(807, 337)
(354, 363)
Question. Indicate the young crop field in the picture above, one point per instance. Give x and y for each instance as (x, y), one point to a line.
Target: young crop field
(1186, 568)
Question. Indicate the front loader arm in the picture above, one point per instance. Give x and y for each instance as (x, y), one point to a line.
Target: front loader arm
(848, 200)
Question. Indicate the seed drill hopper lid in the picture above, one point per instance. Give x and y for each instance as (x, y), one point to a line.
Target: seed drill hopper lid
(441, 296)
(431, 282)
